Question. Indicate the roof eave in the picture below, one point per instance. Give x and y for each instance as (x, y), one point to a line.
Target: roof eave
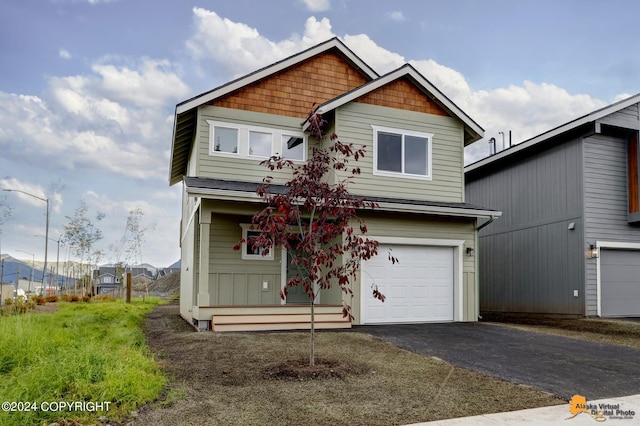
(252, 197)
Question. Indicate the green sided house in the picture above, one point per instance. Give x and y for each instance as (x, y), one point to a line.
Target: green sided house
(415, 138)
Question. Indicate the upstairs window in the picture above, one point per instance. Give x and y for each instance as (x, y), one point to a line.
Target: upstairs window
(293, 147)
(225, 139)
(402, 153)
(260, 144)
(229, 139)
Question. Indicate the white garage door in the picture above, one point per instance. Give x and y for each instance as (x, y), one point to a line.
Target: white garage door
(620, 283)
(417, 289)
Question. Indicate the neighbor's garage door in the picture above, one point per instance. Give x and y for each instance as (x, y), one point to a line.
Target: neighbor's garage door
(620, 282)
(418, 288)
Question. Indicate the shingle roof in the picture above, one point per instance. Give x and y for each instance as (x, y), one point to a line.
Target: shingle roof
(194, 184)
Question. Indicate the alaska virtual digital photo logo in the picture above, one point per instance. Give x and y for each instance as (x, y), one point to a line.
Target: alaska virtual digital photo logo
(600, 411)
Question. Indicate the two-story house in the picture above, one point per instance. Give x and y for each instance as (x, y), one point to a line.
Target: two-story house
(569, 240)
(415, 137)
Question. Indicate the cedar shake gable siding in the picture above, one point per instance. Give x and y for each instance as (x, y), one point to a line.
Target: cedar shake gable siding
(402, 94)
(294, 91)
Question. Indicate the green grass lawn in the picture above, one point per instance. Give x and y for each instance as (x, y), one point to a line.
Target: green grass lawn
(84, 352)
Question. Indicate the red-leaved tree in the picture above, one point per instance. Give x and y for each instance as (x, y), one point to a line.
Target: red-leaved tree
(314, 218)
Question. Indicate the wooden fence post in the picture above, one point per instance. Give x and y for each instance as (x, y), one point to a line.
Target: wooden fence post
(128, 297)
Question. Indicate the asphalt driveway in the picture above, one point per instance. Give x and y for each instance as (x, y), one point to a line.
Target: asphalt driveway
(559, 365)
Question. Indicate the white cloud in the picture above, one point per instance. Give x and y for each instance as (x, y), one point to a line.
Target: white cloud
(109, 120)
(21, 189)
(64, 54)
(25, 187)
(396, 16)
(151, 85)
(317, 5)
(526, 109)
(381, 59)
(240, 48)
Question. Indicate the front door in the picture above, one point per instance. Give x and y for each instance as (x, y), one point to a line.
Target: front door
(296, 295)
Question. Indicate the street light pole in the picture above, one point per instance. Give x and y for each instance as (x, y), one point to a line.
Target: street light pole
(57, 262)
(46, 238)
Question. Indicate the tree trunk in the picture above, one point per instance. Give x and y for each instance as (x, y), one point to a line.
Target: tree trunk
(312, 356)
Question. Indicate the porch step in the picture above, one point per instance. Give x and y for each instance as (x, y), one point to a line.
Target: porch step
(276, 321)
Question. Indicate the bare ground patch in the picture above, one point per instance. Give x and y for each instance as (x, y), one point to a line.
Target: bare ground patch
(247, 379)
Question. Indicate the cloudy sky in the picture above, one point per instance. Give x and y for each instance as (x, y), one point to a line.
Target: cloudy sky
(88, 87)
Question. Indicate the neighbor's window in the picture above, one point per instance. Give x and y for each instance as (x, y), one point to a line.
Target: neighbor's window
(248, 252)
(225, 139)
(399, 152)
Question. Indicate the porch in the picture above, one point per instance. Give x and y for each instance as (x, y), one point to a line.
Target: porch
(272, 317)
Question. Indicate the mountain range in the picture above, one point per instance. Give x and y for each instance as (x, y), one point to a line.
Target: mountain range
(11, 269)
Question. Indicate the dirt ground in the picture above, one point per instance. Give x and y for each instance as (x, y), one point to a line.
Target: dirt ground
(209, 386)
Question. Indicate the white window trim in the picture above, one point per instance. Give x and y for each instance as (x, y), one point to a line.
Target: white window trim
(243, 140)
(403, 133)
(246, 228)
(212, 151)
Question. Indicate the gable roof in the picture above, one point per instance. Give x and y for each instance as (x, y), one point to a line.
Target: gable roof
(473, 131)
(186, 112)
(598, 117)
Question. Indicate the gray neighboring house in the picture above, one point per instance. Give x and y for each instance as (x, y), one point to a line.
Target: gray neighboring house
(568, 241)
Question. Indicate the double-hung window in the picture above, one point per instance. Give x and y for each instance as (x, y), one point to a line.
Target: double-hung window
(239, 140)
(402, 153)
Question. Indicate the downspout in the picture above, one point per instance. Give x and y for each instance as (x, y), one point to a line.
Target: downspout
(488, 222)
(477, 266)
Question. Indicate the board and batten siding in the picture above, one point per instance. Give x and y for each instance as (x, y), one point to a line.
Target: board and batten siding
(238, 168)
(233, 280)
(530, 261)
(236, 281)
(410, 226)
(353, 124)
(605, 201)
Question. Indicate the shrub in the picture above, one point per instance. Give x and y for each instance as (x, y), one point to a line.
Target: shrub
(8, 301)
(105, 298)
(86, 298)
(52, 298)
(74, 298)
(40, 300)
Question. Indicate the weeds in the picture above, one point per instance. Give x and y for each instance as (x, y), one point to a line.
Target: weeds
(82, 352)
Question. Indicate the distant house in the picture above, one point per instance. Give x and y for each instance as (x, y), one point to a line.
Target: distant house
(415, 137)
(569, 239)
(109, 276)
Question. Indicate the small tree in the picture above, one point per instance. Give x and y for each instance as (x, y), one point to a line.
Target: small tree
(81, 235)
(315, 216)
